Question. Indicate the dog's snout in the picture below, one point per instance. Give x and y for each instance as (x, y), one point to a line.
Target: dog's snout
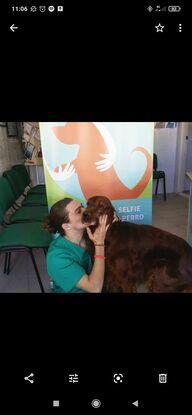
(86, 216)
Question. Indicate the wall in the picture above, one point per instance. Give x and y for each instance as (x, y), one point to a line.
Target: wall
(10, 151)
(181, 153)
(33, 161)
(183, 159)
(165, 143)
(188, 161)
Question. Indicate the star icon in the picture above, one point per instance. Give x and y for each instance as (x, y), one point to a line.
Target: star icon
(159, 28)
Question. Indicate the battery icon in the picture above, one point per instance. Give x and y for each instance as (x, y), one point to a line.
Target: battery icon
(174, 8)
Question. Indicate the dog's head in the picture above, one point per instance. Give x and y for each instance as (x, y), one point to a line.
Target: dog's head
(97, 206)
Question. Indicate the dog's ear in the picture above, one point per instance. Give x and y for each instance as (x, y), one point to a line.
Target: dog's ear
(101, 205)
(106, 210)
(104, 206)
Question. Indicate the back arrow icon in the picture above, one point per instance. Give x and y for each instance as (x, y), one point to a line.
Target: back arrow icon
(13, 27)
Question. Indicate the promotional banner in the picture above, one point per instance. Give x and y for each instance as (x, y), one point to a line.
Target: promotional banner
(113, 159)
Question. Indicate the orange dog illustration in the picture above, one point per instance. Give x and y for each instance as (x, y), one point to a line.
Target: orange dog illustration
(103, 179)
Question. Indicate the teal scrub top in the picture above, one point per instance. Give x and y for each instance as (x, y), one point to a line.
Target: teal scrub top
(66, 264)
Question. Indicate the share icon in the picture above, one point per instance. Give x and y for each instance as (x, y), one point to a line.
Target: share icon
(28, 378)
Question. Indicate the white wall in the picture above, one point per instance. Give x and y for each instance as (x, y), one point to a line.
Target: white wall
(183, 161)
(181, 153)
(188, 161)
(165, 142)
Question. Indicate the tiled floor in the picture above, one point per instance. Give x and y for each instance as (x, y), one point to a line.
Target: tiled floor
(22, 277)
(170, 215)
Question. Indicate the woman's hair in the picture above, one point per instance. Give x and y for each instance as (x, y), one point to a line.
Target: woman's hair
(57, 216)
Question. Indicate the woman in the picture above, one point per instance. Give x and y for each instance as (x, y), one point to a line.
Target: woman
(68, 262)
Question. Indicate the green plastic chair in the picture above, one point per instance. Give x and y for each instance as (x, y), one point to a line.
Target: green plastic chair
(24, 213)
(18, 189)
(24, 175)
(20, 236)
(24, 237)
(157, 175)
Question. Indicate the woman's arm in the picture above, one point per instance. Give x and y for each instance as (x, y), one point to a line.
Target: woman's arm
(94, 282)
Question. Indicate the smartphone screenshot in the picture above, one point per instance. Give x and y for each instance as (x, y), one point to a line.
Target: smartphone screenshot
(95, 207)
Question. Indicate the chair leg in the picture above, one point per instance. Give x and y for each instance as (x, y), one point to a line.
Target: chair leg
(36, 270)
(5, 263)
(165, 197)
(8, 265)
(157, 187)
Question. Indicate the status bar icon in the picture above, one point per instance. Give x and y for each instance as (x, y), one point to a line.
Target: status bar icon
(51, 8)
(42, 9)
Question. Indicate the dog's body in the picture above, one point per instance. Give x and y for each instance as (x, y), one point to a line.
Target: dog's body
(140, 255)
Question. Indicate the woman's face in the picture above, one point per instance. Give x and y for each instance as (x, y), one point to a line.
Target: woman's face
(75, 210)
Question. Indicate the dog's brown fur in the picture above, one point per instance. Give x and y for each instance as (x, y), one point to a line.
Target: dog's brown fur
(139, 255)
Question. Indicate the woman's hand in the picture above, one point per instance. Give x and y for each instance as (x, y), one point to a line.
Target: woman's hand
(116, 218)
(98, 237)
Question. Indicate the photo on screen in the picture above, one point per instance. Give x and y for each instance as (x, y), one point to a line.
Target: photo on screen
(96, 207)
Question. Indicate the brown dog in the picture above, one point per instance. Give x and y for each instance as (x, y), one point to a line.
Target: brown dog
(140, 257)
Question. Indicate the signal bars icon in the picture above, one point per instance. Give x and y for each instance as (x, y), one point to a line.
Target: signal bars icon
(158, 9)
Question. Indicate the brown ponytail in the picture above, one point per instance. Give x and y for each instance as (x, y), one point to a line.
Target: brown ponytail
(57, 216)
